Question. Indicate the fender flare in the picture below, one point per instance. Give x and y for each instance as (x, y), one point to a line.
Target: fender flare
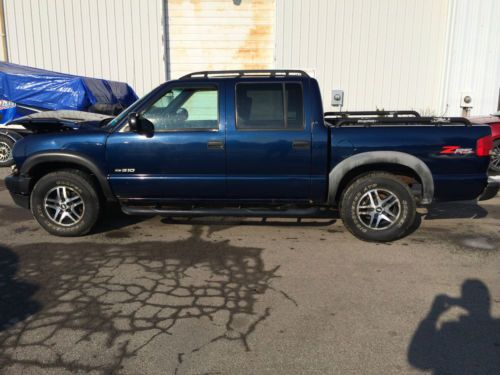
(73, 158)
(376, 157)
(11, 134)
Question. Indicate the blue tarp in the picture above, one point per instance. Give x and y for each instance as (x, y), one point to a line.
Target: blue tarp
(46, 90)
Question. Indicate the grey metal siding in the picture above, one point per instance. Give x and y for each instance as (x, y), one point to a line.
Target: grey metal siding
(113, 39)
(473, 63)
(384, 53)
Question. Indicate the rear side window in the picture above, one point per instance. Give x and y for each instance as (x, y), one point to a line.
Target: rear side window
(295, 106)
(269, 106)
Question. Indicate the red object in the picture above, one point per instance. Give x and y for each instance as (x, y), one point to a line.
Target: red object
(492, 121)
(484, 146)
(447, 150)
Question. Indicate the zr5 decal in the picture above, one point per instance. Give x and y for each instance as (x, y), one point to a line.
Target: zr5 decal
(456, 150)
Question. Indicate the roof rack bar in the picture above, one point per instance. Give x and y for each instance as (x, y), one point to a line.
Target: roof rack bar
(242, 73)
(373, 113)
(437, 121)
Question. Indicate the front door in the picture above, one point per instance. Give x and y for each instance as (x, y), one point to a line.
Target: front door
(268, 143)
(185, 156)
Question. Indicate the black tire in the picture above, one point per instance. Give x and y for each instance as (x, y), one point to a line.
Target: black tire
(76, 184)
(6, 147)
(360, 213)
(495, 157)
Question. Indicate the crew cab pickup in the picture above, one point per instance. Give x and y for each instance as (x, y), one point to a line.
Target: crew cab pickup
(251, 143)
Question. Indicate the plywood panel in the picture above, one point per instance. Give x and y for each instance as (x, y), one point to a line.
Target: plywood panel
(220, 34)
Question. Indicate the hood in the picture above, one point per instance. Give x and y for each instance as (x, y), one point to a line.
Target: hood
(57, 120)
(484, 119)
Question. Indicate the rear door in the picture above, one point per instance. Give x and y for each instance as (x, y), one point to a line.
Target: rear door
(268, 142)
(184, 158)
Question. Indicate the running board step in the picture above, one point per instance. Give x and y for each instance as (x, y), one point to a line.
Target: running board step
(243, 212)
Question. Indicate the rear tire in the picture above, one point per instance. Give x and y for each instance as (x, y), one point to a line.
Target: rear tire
(378, 207)
(495, 157)
(6, 147)
(65, 203)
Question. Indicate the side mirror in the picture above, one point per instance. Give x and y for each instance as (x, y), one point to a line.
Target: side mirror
(133, 122)
(140, 125)
(146, 127)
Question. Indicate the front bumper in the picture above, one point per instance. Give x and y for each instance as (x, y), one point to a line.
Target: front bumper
(19, 189)
(491, 189)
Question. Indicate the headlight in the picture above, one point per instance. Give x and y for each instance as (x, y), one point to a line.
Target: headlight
(14, 170)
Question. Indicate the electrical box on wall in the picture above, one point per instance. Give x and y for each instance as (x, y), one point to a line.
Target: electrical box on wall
(337, 98)
(466, 100)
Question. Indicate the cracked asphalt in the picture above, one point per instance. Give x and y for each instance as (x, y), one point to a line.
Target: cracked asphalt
(239, 296)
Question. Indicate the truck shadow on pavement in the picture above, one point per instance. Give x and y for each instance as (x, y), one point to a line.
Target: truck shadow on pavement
(99, 305)
(467, 345)
(456, 210)
(16, 296)
(235, 221)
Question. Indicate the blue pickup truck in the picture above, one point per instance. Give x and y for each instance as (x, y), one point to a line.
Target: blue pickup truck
(251, 143)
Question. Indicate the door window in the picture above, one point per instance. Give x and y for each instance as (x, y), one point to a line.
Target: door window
(262, 106)
(187, 108)
(295, 106)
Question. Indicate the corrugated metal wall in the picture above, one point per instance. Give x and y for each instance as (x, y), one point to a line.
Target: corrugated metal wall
(3, 44)
(113, 39)
(396, 53)
(473, 63)
(382, 53)
(220, 34)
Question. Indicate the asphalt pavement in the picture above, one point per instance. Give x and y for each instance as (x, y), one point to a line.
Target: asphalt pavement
(242, 296)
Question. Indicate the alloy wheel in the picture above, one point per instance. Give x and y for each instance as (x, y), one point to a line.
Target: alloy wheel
(64, 206)
(378, 209)
(5, 152)
(495, 158)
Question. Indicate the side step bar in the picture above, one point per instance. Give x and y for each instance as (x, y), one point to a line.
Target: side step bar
(243, 212)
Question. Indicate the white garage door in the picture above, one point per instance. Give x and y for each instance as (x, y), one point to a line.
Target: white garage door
(219, 34)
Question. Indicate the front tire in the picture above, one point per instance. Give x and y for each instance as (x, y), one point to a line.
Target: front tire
(378, 207)
(65, 203)
(6, 147)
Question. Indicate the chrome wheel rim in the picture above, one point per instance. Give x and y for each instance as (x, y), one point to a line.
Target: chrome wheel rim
(5, 152)
(378, 209)
(495, 158)
(64, 206)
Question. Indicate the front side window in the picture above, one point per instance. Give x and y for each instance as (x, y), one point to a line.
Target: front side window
(269, 106)
(185, 108)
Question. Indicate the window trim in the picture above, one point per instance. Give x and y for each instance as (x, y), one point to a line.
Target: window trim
(285, 106)
(187, 85)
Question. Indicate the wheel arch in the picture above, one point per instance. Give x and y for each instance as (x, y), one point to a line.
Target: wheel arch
(14, 136)
(38, 165)
(390, 161)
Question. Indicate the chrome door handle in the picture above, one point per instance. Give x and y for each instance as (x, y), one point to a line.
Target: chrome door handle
(215, 145)
(301, 145)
